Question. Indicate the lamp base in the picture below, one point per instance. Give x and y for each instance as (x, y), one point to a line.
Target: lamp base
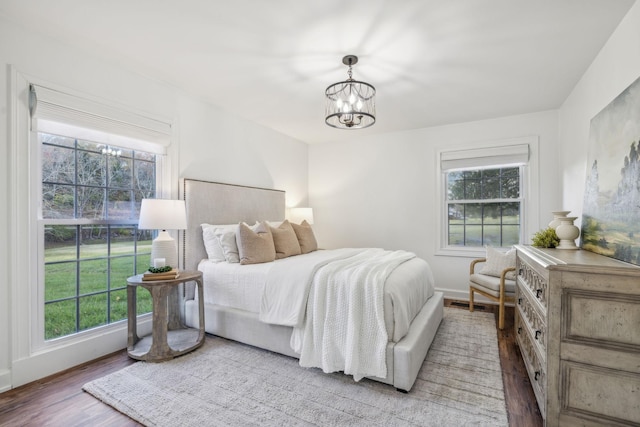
(164, 246)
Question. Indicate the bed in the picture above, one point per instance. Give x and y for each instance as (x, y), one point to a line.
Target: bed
(217, 203)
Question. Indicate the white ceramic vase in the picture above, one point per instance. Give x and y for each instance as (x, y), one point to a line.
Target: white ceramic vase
(557, 215)
(567, 233)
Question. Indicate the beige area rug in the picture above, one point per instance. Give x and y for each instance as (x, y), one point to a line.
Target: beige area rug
(225, 383)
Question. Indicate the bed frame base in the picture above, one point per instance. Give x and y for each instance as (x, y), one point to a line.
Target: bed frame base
(404, 358)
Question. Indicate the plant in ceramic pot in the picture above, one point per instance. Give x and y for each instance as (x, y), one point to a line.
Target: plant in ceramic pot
(545, 238)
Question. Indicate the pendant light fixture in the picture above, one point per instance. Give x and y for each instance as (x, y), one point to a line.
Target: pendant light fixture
(350, 104)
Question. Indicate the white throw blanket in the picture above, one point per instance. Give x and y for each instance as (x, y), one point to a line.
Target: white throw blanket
(284, 300)
(344, 327)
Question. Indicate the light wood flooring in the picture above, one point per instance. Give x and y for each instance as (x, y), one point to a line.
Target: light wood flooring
(58, 400)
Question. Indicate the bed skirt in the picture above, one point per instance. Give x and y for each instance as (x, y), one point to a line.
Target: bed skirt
(404, 358)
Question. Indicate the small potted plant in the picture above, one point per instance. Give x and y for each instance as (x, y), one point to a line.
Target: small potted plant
(545, 238)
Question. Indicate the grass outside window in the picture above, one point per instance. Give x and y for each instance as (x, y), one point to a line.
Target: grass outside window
(90, 291)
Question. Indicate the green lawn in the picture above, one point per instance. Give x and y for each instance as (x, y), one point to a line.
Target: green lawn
(471, 232)
(101, 288)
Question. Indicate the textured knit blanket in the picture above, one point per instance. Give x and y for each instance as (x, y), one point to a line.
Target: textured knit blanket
(344, 328)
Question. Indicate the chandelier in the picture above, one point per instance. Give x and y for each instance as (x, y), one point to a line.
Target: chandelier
(350, 104)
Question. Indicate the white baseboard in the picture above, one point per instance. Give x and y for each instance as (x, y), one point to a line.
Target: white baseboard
(50, 361)
(454, 294)
(5, 380)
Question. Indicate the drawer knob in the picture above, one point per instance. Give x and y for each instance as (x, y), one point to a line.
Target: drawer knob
(536, 375)
(519, 330)
(538, 333)
(520, 272)
(538, 292)
(519, 301)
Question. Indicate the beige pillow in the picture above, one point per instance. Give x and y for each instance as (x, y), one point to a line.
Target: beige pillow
(498, 261)
(285, 240)
(256, 246)
(306, 238)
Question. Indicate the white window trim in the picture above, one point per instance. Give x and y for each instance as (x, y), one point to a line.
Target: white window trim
(107, 123)
(28, 361)
(529, 189)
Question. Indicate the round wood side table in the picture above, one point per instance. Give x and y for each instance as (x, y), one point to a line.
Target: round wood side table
(168, 338)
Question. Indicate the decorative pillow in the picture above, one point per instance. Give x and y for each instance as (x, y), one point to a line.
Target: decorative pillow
(229, 246)
(306, 238)
(212, 243)
(255, 246)
(285, 240)
(498, 261)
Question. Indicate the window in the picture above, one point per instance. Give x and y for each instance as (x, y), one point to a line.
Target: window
(483, 196)
(483, 207)
(96, 165)
(91, 196)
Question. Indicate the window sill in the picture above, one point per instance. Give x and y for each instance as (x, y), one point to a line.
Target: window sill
(465, 252)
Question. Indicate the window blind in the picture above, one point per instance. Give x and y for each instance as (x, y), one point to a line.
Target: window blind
(517, 154)
(64, 114)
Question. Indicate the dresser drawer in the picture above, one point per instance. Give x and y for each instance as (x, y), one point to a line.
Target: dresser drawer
(536, 283)
(536, 368)
(532, 319)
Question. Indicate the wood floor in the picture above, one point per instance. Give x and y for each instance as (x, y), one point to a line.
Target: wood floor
(59, 400)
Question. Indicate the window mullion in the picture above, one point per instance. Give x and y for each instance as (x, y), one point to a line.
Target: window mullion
(476, 220)
(83, 160)
(77, 305)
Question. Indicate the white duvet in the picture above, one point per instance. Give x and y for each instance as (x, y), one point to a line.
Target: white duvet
(278, 293)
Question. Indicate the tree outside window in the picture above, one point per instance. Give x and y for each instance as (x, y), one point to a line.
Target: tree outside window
(483, 207)
(91, 197)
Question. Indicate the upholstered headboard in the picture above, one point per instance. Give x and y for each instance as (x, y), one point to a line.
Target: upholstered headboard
(217, 203)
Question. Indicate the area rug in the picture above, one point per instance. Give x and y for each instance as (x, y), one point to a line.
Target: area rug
(225, 383)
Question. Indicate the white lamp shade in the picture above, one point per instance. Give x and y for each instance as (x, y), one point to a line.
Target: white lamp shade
(297, 215)
(161, 214)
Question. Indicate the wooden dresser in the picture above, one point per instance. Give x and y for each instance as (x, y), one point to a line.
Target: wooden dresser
(578, 329)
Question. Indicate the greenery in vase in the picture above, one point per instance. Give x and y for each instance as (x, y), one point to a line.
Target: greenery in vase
(546, 238)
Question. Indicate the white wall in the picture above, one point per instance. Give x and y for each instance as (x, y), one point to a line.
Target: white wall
(207, 144)
(381, 191)
(616, 67)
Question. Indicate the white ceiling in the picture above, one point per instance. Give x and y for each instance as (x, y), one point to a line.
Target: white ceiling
(432, 62)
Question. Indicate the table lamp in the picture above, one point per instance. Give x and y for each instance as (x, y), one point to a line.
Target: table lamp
(297, 215)
(163, 215)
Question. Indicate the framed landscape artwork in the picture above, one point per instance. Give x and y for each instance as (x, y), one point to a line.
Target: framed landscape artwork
(611, 214)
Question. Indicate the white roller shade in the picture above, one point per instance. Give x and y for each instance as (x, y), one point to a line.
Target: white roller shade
(485, 157)
(64, 114)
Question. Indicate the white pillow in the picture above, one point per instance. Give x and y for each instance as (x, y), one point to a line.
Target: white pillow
(229, 246)
(216, 251)
(498, 261)
(212, 243)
